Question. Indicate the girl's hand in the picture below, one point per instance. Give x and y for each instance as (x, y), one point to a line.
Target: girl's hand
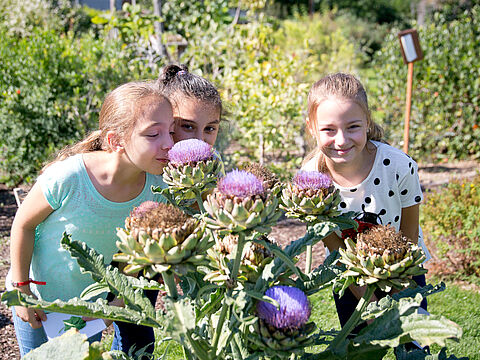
(33, 316)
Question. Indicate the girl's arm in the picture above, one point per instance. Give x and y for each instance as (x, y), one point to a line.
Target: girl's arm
(409, 222)
(31, 212)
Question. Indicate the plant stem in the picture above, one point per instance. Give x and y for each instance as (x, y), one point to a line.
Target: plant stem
(169, 280)
(198, 197)
(233, 276)
(308, 260)
(352, 322)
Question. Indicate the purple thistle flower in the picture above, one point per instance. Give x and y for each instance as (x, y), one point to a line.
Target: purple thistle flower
(190, 150)
(311, 180)
(294, 308)
(144, 207)
(241, 184)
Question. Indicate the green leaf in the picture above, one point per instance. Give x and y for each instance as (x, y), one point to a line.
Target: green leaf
(72, 345)
(119, 284)
(74, 322)
(76, 306)
(320, 277)
(399, 325)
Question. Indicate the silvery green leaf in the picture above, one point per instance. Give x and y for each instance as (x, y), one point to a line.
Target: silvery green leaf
(71, 345)
(76, 306)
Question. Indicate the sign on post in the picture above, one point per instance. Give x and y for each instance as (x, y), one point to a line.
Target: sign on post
(411, 52)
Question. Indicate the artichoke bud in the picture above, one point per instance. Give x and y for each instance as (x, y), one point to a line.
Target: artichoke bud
(254, 259)
(310, 196)
(283, 331)
(381, 256)
(159, 236)
(193, 167)
(241, 203)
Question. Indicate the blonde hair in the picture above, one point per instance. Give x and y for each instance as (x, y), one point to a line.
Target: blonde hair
(343, 86)
(119, 113)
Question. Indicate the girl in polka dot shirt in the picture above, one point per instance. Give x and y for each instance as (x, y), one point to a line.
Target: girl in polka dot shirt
(373, 177)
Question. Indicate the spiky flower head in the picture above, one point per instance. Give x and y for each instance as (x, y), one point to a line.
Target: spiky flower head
(314, 180)
(294, 308)
(381, 256)
(310, 197)
(268, 178)
(189, 151)
(241, 203)
(158, 237)
(194, 168)
(241, 184)
(283, 331)
(254, 259)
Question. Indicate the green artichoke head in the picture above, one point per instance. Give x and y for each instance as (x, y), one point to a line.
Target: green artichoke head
(158, 237)
(194, 168)
(310, 197)
(240, 203)
(381, 256)
(254, 259)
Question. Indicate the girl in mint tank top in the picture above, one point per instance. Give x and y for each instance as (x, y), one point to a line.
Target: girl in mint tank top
(88, 191)
(197, 110)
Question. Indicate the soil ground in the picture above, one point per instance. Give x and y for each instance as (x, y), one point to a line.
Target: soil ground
(431, 177)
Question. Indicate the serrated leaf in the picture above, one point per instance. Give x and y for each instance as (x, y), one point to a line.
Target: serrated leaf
(393, 329)
(77, 306)
(120, 285)
(71, 345)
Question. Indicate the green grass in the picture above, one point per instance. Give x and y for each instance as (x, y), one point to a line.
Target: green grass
(455, 303)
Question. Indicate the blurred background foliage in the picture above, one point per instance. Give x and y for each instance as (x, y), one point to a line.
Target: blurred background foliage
(60, 59)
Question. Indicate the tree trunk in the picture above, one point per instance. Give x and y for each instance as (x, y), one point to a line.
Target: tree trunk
(158, 26)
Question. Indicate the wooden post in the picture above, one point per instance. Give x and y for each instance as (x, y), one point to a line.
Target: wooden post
(408, 107)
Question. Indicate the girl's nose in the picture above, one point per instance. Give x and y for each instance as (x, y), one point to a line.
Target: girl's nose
(340, 137)
(167, 143)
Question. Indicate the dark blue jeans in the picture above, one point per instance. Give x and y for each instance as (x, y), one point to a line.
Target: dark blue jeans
(128, 335)
(346, 304)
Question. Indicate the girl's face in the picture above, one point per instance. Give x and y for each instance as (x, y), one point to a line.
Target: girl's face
(196, 120)
(340, 128)
(151, 138)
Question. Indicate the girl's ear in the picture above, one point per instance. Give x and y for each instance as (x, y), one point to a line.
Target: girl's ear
(113, 142)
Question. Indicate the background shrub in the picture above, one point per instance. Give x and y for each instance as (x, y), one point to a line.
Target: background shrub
(51, 90)
(449, 220)
(446, 93)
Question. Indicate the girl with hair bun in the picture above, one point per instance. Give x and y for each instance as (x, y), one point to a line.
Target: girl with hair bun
(197, 107)
(88, 191)
(197, 110)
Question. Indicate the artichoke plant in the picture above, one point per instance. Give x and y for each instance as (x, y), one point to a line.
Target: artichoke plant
(241, 203)
(381, 256)
(194, 168)
(310, 197)
(158, 237)
(254, 259)
(284, 330)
